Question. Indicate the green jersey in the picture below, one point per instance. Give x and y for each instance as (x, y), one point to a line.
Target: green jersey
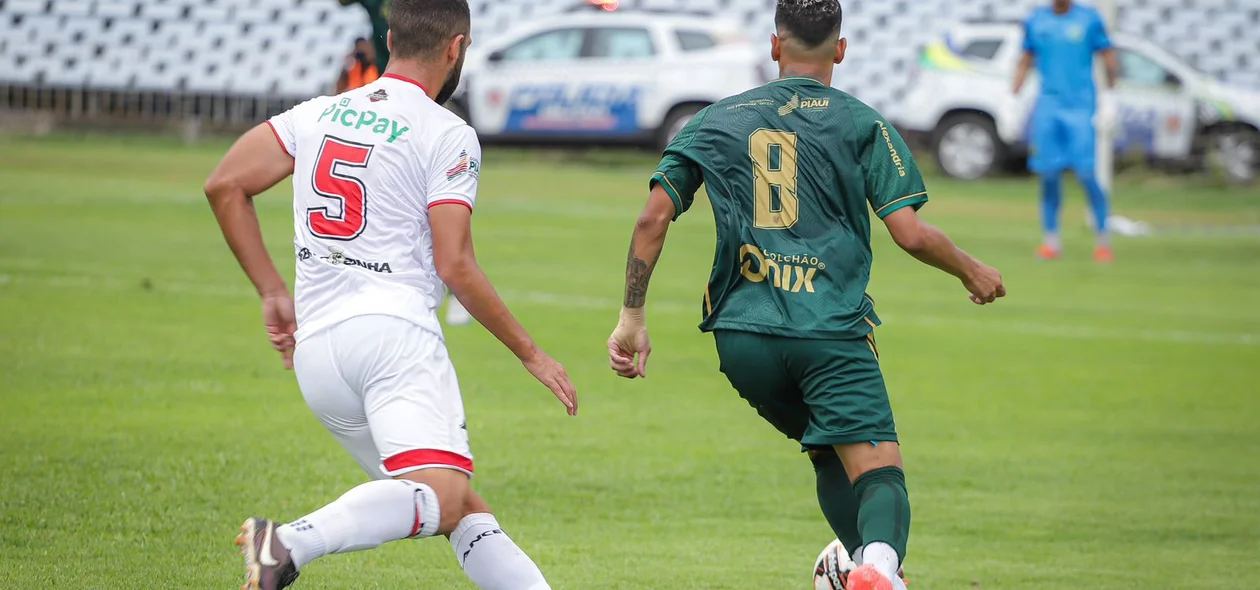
(378, 13)
(790, 168)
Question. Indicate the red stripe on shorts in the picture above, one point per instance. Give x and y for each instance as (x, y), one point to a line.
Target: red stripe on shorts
(422, 457)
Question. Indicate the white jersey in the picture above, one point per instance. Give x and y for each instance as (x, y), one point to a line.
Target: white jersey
(368, 166)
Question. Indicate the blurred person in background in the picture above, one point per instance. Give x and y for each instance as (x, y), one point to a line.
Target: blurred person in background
(360, 67)
(378, 13)
(1061, 40)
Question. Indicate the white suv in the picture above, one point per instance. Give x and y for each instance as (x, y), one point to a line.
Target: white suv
(604, 77)
(961, 101)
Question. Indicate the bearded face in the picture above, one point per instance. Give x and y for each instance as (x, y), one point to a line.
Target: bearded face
(452, 79)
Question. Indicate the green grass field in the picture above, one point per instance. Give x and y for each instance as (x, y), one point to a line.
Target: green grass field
(1097, 429)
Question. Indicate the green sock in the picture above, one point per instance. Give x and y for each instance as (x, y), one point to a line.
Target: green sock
(884, 511)
(836, 498)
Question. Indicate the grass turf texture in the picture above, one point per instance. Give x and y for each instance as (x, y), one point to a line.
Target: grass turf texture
(1100, 423)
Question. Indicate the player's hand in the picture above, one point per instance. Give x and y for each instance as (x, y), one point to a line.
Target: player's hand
(628, 341)
(985, 284)
(281, 323)
(1105, 112)
(549, 372)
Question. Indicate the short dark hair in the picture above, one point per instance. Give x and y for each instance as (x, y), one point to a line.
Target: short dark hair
(422, 28)
(812, 22)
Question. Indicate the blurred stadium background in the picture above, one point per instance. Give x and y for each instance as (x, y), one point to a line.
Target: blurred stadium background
(231, 60)
(1100, 424)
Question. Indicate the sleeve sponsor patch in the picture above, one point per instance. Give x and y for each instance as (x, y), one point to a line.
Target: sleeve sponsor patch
(465, 166)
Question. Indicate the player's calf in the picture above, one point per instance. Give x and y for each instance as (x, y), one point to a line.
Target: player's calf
(884, 505)
(451, 491)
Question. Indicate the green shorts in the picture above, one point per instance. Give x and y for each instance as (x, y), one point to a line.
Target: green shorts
(818, 392)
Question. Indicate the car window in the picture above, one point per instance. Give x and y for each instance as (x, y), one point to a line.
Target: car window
(1140, 70)
(695, 40)
(984, 49)
(621, 43)
(561, 44)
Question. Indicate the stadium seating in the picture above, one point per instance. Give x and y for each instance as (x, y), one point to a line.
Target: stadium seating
(292, 48)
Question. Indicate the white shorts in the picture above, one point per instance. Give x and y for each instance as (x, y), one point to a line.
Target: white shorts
(386, 390)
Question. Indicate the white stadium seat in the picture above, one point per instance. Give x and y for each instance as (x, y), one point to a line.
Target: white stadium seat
(115, 8)
(80, 8)
(163, 11)
(25, 6)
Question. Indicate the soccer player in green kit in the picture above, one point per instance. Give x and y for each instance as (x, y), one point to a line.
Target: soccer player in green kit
(378, 13)
(790, 169)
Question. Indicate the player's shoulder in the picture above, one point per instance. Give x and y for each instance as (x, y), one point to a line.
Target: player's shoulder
(863, 115)
(310, 104)
(1087, 10)
(1039, 13)
(443, 118)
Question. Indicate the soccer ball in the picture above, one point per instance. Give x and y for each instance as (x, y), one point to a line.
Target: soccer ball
(832, 567)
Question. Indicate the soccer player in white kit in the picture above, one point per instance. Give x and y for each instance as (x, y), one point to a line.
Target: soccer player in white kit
(385, 182)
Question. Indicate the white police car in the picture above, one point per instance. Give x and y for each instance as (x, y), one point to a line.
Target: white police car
(604, 77)
(960, 99)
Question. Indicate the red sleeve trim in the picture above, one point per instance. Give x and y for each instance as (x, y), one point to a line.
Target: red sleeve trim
(278, 140)
(410, 460)
(450, 202)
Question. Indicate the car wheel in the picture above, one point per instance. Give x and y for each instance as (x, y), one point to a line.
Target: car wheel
(674, 123)
(967, 146)
(1238, 152)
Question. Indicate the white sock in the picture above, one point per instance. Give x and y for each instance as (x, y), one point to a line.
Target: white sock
(857, 555)
(883, 557)
(490, 559)
(365, 517)
(899, 584)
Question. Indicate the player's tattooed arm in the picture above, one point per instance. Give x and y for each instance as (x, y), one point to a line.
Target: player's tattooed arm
(628, 347)
(638, 275)
(646, 245)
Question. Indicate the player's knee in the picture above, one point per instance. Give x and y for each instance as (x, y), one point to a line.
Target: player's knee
(475, 504)
(454, 504)
(452, 512)
(822, 458)
(861, 458)
(452, 490)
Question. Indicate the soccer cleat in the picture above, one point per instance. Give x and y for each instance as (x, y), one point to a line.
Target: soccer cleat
(1048, 252)
(268, 565)
(866, 577)
(1104, 255)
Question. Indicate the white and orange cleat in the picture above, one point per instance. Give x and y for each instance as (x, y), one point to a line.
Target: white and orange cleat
(866, 577)
(1048, 252)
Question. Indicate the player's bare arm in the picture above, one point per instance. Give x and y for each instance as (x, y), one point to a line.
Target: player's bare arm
(1021, 71)
(456, 263)
(931, 246)
(254, 164)
(629, 347)
(1111, 66)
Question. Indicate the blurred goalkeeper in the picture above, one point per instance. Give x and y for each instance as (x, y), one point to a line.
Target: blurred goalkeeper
(1061, 40)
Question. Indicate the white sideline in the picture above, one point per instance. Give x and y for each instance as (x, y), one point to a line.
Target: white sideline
(611, 304)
